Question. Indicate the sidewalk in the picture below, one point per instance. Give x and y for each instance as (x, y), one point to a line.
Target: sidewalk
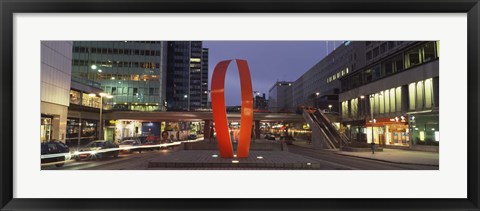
(398, 156)
(389, 155)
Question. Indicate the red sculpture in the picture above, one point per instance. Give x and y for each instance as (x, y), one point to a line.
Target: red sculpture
(220, 113)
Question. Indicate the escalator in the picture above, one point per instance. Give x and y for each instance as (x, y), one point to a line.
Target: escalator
(339, 138)
(324, 133)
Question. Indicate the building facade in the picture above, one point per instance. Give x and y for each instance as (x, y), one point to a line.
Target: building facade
(187, 76)
(280, 97)
(133, 72)
(394, 100)
(319, 86)
(56, 69)
(83, 120)
(260, 102)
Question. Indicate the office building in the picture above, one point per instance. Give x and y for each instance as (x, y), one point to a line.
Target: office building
(56, 68)
(187, 77)
(393, 100)
(260, 102)
(280, 97)
(319, 86)
(133, 72)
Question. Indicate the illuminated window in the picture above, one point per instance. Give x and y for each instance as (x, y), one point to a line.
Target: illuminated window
(428, 93)
(411, 96)
(377, 104)
(422, 135)
(381, 102)
(347, 70)
(387, 101)
(398, 99)
(392, 100)
(354, 107)
(438, 48)
(420, 95)
(195, 60)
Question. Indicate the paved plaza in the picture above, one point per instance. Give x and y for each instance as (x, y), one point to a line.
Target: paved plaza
(399, 156)
(256, 159)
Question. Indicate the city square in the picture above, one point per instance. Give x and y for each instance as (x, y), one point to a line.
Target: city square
(151, 105)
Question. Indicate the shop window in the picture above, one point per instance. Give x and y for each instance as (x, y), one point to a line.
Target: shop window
(73, 127)
(89, 128)
(75, 97)
(411, 96)
(428, 93)
(90, 101)
(420, 90)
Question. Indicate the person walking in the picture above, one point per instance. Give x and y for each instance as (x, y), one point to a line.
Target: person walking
(373, 147)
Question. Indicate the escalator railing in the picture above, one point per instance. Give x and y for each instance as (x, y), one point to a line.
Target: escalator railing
(317, 130)
(340, 137)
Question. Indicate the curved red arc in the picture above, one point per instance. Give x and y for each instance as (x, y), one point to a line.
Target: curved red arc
(219, 109)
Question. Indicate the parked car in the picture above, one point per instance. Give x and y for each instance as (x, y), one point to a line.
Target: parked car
(192, 137)
(128, 146)
(55, 147)
(98, 149)
(270, 136)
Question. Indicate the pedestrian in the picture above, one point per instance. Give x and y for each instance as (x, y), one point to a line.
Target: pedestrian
(373, 147)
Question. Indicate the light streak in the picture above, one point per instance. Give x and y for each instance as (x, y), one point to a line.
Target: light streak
(77, 153)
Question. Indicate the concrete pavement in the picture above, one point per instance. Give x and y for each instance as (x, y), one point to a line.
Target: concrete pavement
(390, 155)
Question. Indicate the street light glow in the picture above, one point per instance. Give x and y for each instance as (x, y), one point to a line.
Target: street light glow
(318, 93)
(99, 70)
(185, 96)
(94, 67)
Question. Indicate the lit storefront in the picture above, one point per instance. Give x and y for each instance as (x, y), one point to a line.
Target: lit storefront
(46, 129)
(81, 132)
(388, 131)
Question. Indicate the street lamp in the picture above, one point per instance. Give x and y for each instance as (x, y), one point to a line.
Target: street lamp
(102, 94)
(330, 108)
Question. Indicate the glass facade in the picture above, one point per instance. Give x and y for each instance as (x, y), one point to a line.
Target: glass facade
(132, 72)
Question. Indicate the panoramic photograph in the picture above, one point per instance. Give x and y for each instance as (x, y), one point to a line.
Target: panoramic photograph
(239, 105)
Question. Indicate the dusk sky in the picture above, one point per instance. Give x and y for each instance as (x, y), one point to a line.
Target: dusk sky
(269, 61)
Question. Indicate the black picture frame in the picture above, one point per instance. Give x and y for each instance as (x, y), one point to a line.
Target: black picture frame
(9, 7)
